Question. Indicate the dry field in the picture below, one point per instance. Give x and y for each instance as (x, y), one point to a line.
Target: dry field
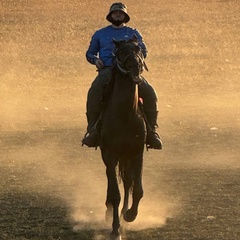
(53, 188)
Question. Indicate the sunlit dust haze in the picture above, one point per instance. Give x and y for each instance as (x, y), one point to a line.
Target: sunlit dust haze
(194, 66)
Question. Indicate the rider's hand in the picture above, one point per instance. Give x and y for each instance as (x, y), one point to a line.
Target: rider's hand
(99, 64)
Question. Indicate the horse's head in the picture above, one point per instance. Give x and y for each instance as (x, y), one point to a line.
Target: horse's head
(129, 58)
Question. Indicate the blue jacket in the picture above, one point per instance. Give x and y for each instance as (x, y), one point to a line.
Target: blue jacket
(102, 46)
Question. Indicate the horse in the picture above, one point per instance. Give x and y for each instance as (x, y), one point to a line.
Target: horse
(123, 134)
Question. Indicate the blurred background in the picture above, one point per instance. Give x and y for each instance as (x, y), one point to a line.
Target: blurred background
(193, 60)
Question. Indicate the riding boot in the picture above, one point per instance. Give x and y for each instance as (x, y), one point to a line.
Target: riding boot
(91, 138)
(153, 139)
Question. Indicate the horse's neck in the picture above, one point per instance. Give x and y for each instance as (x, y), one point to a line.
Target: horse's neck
(125, 94)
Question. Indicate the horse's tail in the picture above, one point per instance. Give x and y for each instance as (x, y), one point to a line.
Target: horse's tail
(126, 171)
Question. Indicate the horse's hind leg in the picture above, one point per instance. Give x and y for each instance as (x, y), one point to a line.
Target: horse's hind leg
(137, 194)
(127, 182)
(127, 186)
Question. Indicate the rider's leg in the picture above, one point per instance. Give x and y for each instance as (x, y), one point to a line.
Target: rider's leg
(91, 137)
(93, 107)
(149, 96)
(94, 98)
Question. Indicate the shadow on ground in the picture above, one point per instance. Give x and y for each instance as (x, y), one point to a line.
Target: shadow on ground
(36, 216)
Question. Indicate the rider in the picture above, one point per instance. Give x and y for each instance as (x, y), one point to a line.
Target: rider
(100, 53)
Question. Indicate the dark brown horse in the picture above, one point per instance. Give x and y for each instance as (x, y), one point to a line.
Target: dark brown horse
(123, 133)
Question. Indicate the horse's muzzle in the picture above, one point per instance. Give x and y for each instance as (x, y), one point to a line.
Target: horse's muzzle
(137, 79)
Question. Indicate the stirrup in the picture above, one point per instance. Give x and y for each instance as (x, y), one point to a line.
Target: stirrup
(157, 145)
(91, 138)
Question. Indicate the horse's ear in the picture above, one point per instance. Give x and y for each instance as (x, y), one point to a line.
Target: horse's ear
(135, 39)
(115, 42)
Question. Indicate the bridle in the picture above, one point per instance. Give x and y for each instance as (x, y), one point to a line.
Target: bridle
(121, 64)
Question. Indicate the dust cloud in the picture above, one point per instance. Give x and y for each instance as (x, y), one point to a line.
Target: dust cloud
(77, 176)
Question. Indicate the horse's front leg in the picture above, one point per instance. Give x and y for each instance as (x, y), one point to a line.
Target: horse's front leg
(131, 213)
(113, 198)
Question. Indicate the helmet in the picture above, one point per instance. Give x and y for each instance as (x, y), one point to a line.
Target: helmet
(118, 6)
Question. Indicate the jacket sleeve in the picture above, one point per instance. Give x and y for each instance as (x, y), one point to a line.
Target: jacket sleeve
(93, 50)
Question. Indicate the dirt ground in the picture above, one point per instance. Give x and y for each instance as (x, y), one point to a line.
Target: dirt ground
(53, 188)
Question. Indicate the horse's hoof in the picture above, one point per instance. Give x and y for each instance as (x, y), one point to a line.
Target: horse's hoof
(129, 216)
(115, 237)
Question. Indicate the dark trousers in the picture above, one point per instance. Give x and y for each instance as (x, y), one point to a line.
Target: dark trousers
(146, 92)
